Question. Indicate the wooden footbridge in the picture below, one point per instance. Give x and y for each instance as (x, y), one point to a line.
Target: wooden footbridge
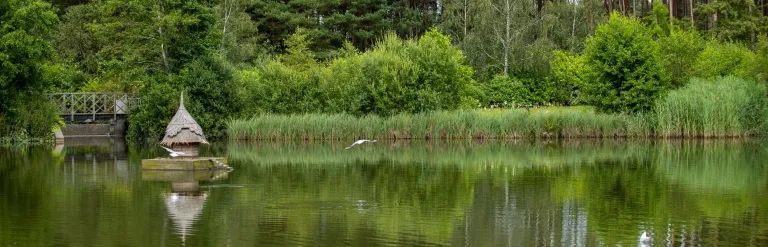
(94, 107)
(95, 114)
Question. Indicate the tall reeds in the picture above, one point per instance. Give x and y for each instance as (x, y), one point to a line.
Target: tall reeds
(722, 107)
(465, 124)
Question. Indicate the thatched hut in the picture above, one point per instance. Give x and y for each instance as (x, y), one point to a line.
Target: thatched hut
(183, 134)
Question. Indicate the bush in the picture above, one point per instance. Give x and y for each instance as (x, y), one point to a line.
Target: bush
(722, 59)
(726, 106)
(503, 91)
(443, 73)
(679, 51)
(208, 82)
(756, 67)
(568, 71)
(159, 102)
(394, 77)
(625, 74)
(30, 116)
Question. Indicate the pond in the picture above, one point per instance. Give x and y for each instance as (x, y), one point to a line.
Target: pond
(465, 193)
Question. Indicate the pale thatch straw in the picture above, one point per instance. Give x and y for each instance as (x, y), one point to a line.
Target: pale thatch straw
(183, 129)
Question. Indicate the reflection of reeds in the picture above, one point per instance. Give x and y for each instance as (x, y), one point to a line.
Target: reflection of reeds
(459, 152)
(469, 124)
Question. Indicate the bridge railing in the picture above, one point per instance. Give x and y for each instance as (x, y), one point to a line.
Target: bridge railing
(72, 104)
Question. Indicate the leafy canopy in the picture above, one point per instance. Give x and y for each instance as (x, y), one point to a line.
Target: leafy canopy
(625, 73)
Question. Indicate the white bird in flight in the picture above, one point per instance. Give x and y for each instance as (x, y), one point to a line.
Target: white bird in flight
(645, 238)
(173, 153)
(358, 142)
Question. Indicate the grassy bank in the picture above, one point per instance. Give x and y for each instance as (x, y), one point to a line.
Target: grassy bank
(722, 107)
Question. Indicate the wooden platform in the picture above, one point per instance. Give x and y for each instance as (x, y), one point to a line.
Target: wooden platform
(188, 164)
(175, 176)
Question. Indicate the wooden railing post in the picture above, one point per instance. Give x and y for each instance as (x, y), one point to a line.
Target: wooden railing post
(72, 108)
(93, 107)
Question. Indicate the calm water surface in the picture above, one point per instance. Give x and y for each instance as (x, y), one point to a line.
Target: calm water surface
(685, 193)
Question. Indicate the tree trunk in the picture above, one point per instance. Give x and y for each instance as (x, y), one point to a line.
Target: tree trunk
(634, 8)
(163, 48)
(714, 18)
(425, 12)
(690, 3)
(671, 11)
(625, 7)
(466, 12)
(227, 14)
(573, 26)
(507, 28)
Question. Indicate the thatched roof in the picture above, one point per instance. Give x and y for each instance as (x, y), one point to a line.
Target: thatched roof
(183, 129)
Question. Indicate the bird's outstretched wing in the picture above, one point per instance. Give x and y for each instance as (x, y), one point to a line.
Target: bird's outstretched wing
(351, 145)
(171, 151)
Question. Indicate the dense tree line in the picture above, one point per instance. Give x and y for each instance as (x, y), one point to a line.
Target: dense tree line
(236, 58)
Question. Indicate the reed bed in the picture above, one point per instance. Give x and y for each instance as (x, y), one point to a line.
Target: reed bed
(722, 107)
(465, 124)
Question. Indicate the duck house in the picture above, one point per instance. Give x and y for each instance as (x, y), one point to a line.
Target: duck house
(184, 136)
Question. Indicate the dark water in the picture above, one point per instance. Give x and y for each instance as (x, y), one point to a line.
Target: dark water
(685, 193)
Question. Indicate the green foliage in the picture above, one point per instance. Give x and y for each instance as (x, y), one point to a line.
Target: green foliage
(721, 59)
(396, 76)
(503, 91)
(726, 106)
(737, 21)
(625, 72)
(24, 51)
(159, 101)
(140, 39)
(759, 68)
(443, 74)
(209, 89)
(298, 54)
(209, 84)
(658, 19)
(755, 66)
(679, 53)
(568, 72)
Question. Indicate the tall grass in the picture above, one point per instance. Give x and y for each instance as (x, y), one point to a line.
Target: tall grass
(464, 124)
(722, 107)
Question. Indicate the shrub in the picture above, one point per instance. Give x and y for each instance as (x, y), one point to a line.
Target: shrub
(756, 67)
(503, 91)
(722, 59)
(396, 76)
(679, 51)
(159, 101)
(625, 74)
(568, 71)
(443, 73)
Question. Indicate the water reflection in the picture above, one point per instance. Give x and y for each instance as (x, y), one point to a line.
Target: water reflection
(184, 209)
(459, 194)
(185, 202)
